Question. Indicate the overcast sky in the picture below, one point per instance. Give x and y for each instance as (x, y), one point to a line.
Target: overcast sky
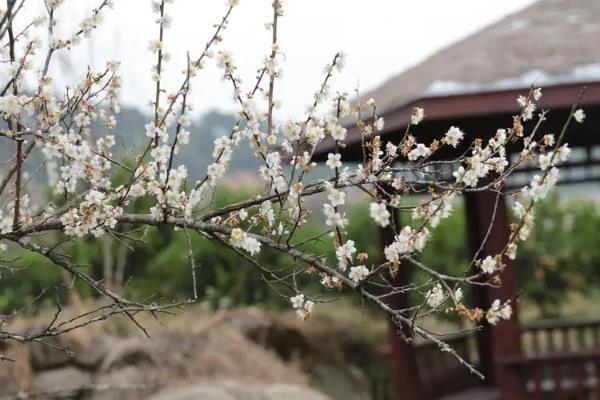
(380, 37)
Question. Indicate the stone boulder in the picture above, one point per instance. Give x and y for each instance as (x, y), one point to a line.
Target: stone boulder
(238, 390)
(64, 382)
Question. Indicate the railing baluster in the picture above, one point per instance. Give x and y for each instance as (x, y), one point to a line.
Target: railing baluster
(580, 377)
(535, 342)
(581, 338)
(558, 387)
(537, 381)
(596, 388)
(553, 342)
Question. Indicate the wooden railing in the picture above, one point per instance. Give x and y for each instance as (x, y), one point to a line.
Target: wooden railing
(560, 360)
(560, 376)
(560, 336)
(440, 372)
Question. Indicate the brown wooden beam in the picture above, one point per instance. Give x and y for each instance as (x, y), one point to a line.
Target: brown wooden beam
(403, 357)
(495, 342)
(459, 107)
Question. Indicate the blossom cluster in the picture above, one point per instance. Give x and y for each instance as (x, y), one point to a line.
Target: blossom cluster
(74, 131)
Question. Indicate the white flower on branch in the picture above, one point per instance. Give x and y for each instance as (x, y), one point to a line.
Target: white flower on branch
(498, 311)
(380, 214)
(155, 45)
(458, 294)
(421, 151)
(417, 116)
(358, 273)
(579, 115)
(333, 218)
(435, 296)
(9, 105)
(528, 107)
(407, 241)
(345, 254)
(239, 238)
(336, 197)
(453, 136)
(297, 301)
(334, 160)
(540, 187)
(489, 265)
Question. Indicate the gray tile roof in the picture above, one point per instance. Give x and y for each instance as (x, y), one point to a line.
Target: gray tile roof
(550, 42)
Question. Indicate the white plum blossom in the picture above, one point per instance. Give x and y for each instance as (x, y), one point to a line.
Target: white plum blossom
(453, 136)
(417, 116)
(336, 197)
(435, 296)
(333, 218)
(421, 151)
(314, 132)
(9, 105)
(345, 254)
(297, 301)
(528, 107)
(338, 132)
(434, 212)
(407, 241)
(334, 160)
(458, 294)
(266, 210)
(240, 239)
(94, 215)
(579, 115)
(489, 265)
(469, 178)
(380, 214)
(155, 45)
(550, 159)
(539, 187)
(358, 273)
(498, 311)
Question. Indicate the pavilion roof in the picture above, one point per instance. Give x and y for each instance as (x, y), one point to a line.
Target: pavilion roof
(474, 83)
(548, 43)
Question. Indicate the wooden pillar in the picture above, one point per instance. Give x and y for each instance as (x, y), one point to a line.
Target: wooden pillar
(403, 357)
(495, 342)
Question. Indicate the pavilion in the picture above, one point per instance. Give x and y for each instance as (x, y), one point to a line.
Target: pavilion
(473, 84)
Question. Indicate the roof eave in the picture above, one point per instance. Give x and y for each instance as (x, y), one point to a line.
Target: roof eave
(473, 104)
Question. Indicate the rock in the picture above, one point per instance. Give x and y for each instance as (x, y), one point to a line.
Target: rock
(273, 333)
(15, 375)
(61, 382)
(132, 351)
(341, 382)
(238, 390)
(93, 353)
(52, 354)
(195, 392)
(65, 350)
(292, 392)
(124, 383)
(223, 353)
